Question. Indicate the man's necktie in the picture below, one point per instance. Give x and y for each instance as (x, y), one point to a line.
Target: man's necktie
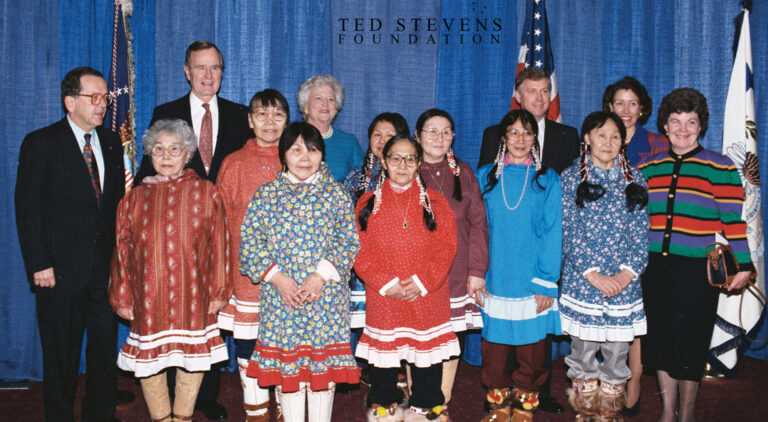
(93, 167)
(205, 144)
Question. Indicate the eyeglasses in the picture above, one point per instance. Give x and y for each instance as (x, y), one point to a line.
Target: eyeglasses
(261, 115)
(97, 98)
(435, 133)
(514, 133)
(409, 160)
(174, 150)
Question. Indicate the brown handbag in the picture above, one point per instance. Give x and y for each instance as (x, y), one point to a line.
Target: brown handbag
(722, 268)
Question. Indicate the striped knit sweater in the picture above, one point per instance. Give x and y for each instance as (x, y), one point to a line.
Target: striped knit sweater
(690, 198)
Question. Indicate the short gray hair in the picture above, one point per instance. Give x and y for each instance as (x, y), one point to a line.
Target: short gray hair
(176, 127)
(302, 97)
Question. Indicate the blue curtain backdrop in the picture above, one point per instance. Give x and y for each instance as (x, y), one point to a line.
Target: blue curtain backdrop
(665, 44)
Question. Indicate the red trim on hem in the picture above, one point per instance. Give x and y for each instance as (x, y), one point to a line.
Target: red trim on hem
(316, 380)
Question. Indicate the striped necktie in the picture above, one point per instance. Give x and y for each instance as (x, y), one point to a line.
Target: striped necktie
(93, 167)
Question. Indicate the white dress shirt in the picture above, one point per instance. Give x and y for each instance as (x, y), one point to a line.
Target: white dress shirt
(95, 146)
(540, 137)
(197, 111)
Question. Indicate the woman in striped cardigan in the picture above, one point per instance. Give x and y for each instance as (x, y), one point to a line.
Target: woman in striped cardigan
(693, 195)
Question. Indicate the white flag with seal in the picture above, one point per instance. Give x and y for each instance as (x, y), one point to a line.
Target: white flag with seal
(734, 316)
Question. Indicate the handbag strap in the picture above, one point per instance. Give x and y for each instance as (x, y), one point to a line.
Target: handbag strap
(760, 295)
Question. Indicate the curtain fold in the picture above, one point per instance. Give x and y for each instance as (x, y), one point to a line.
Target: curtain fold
(267, 44)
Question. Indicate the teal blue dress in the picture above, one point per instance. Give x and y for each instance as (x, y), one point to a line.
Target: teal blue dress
(525, 252)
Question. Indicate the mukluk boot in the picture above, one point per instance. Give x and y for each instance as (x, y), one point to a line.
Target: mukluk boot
(422, 414)
(524, 403)
(320, 404)
(583, 397)
(611, 402)
(498, 402)
(255, 398)
(379, 413)
(293, 404)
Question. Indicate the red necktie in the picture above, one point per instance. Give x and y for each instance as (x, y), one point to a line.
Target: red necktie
(205, 144)
(93, 167)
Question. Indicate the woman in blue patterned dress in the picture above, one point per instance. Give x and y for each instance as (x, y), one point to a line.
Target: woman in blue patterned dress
(605, 249)
(299, 239)
(361, 179)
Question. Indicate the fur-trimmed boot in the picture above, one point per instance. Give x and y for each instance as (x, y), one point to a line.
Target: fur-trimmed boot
(525, 402)
(611, 402)
(583, 398)
(379, 413)
(498, 403)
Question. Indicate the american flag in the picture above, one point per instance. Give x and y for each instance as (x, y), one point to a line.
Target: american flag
(536, 51)
(120, 114)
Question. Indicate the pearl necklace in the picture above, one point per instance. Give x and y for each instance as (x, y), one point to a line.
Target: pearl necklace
(525, 184)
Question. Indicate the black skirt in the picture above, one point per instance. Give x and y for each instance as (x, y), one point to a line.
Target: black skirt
(680, 307)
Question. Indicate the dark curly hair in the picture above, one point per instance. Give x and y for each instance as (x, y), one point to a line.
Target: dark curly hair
(684, 100)
(631, 84)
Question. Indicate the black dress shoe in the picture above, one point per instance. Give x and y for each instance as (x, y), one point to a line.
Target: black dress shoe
(550, 405)
(212, 411)
(124, 398)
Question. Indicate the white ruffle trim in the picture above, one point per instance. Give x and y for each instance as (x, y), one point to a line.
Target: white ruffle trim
(175, 358)
(603, 333)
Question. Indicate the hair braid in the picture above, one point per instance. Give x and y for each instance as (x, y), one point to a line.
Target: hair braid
(364, 182)
(586, 192)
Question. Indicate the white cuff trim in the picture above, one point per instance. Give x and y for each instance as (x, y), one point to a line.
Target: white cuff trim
(271, 273)
(544, 283)
(419, 285)
(627, 267)
(589, 270)
(327, 271)
(383, 290)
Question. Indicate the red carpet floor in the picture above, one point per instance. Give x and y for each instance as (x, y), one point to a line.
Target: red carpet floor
(743, 398)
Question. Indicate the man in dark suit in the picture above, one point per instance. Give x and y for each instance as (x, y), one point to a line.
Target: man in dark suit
(204, 68)
(70, 180)
(221, 128)
(559, 143)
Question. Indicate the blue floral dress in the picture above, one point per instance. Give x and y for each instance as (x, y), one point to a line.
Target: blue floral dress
(295, 226)
(605, 237)
(356, 287)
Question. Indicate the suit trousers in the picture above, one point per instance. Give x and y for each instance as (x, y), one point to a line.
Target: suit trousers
(63, 313)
